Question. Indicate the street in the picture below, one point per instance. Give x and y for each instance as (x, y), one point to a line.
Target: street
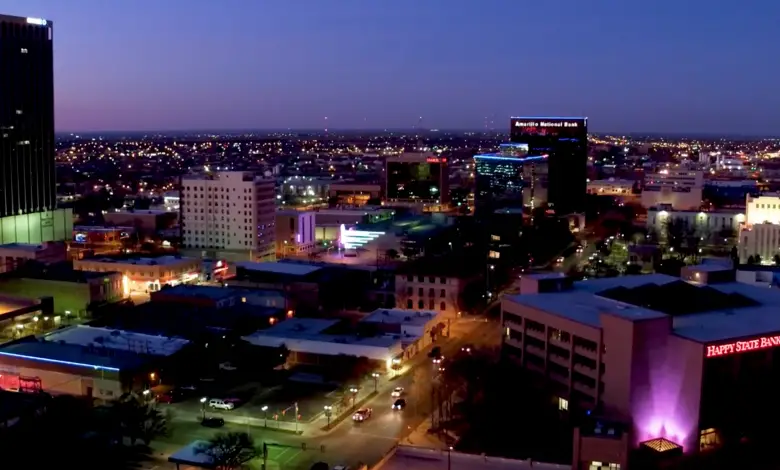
(347, 442)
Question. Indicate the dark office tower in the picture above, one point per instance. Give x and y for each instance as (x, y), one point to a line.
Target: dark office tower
(28, 211)
(565, 141)
(510, 178)
(418, 180)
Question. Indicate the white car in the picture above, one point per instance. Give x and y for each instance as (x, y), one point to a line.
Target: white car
(361, 415)
(219, 404)
(397, 392)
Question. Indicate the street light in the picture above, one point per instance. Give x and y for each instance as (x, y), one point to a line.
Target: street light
(265, 413)
(353, 391)
(328, 412)
(449, 458)
(375, 375)
(203, 408)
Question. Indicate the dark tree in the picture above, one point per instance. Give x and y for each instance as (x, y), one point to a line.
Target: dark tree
(320, 466)
(751, 260)
(229, 451)
(392, 253)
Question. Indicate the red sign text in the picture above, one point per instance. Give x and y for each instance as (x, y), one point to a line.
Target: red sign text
(763, 342)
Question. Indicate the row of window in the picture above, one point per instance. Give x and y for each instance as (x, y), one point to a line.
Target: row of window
(431, 279)
(553, 334)
(421, 292)
(421, 304)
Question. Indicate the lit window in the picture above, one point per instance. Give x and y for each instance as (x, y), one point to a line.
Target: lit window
(563, 404)
(24, 51)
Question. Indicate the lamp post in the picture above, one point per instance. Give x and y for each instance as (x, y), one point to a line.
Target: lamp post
(449, 458)
(354, 392)
(328, 412)
(203, 408)
(265, 415)
(375, 375)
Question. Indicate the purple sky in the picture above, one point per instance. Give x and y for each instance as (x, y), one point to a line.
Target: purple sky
(631, 66)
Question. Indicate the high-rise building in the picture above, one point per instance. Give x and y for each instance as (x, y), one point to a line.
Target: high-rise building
(510, 178)
(418, 179)
(565, 141)
(229, 210)
(28, 212)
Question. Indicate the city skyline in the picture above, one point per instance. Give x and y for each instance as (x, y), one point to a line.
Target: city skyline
(630, 68)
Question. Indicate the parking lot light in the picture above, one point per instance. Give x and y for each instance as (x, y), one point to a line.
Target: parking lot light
(375, 375)
(203, 408)
(328, 412)
(265, 415)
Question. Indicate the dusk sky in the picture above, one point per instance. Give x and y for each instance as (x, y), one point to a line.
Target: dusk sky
(698, 66)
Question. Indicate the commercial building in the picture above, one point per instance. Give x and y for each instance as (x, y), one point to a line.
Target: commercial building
(678, 362)
(230, 210)
(419, 180)
(436, 286)
(94, 240)
(141, 274)
(146, 222)
(706, 224)
(398, 335)
(403, 457)
(20, 316)
(86, 361)
(680, 189)
(15, 255)
(617, 188)
(565, 141)
(759, 236)
(509, 178)
(295, 233)
(28, 199)
(354, 194)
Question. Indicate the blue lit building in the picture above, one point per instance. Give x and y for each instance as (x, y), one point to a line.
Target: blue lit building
(509, 178)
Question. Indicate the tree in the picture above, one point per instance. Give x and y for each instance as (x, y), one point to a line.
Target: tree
(751, 260)
(320, 466)
(392, 253)
(229, 450)
(776, 260)
(734, 256)
(757, 258)
(138, 420)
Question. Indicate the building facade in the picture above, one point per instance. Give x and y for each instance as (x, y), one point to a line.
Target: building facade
(509, 180)
(706, 224)
(680, 189)
(230, 210)
(145, 274)
(295, 233)
(418, 179)
(759, 236)
(28, 201)
(621, 189)
(565, 141)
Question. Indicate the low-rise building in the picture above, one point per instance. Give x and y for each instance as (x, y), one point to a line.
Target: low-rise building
(86, 361)
(429, 285)
(295, 233)
(146, 222)
(145, 274)
(15, 255)
(621, 189)
(354, 194)
(708, 224)
(404, 457)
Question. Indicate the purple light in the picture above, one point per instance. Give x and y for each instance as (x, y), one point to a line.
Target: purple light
(57, 361)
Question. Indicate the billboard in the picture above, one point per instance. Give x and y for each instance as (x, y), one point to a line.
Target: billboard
(548, 127)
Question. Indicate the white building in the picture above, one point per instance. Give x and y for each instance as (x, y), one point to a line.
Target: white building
(760, 234)
(706, 224)
(623, 189)
(295, 233)
(231, 210)
(681, 189)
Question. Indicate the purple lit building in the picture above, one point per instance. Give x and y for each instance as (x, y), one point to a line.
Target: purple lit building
(660, 365)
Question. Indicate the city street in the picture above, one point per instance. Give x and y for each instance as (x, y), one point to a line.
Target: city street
(347, 442)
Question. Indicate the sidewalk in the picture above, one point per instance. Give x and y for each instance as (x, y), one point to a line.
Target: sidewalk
(420, 437)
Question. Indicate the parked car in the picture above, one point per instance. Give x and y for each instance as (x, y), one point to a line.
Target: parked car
(399, 404)
(397, 392)
(361, 415)
(220, 404)
(213, 422)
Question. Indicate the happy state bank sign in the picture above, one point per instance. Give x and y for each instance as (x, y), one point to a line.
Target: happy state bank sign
(764, 342)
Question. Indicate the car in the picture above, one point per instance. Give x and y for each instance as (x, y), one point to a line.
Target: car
(560, 260)
(212, 422)
(220, 404)
(397, 392)
(361, 415)
(467, 348)
(399, 404)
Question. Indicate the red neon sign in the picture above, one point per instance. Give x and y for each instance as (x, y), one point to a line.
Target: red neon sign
(763, 342)
(436, 160)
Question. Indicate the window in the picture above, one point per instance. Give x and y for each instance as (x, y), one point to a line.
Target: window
(563, 404)
(24, 51)
(420, 291)
(443, 293)
(409, 304)
(431, 292)
(443, 306)
(494, 254)
(409, 291)
(420, 304)
(442, 280)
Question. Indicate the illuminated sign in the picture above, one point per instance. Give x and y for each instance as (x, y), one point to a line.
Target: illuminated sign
(351, 239)
(763, 342)
(547, 124)
(436, 160)
(37, 21)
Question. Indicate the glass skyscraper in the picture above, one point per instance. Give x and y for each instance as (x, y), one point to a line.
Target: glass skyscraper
(509, 179)
(28, 211)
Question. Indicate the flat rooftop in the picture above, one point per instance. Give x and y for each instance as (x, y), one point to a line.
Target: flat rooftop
(73, 355)
(117, 340)
(716, 312)
(10, 304)
(289, 269)
(143, 261)
(299, 333)
(400, 317)
(28, 247)
(425, 458)
(204, 292)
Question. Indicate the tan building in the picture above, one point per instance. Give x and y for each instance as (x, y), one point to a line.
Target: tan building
(14, 255)
(431, 286)
(145, 274)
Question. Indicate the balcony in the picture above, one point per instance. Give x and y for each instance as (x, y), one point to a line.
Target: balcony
(535, 351)
(514, 343)
(540, 335)
(560, 360)
(585, 370)
(587, 352)
(584, 389)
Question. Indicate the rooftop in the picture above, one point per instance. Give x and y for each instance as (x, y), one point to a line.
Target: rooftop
(158, 261)
(29, 247)
(73, 355)
(424, 458)
(398, 316)
(204, 292)
(191, 455)
(10, 303)
(716, 312)
(279, 268)
(118, 340)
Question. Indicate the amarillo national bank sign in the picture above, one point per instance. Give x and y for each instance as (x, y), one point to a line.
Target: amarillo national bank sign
(567, 124)
(764, 342)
